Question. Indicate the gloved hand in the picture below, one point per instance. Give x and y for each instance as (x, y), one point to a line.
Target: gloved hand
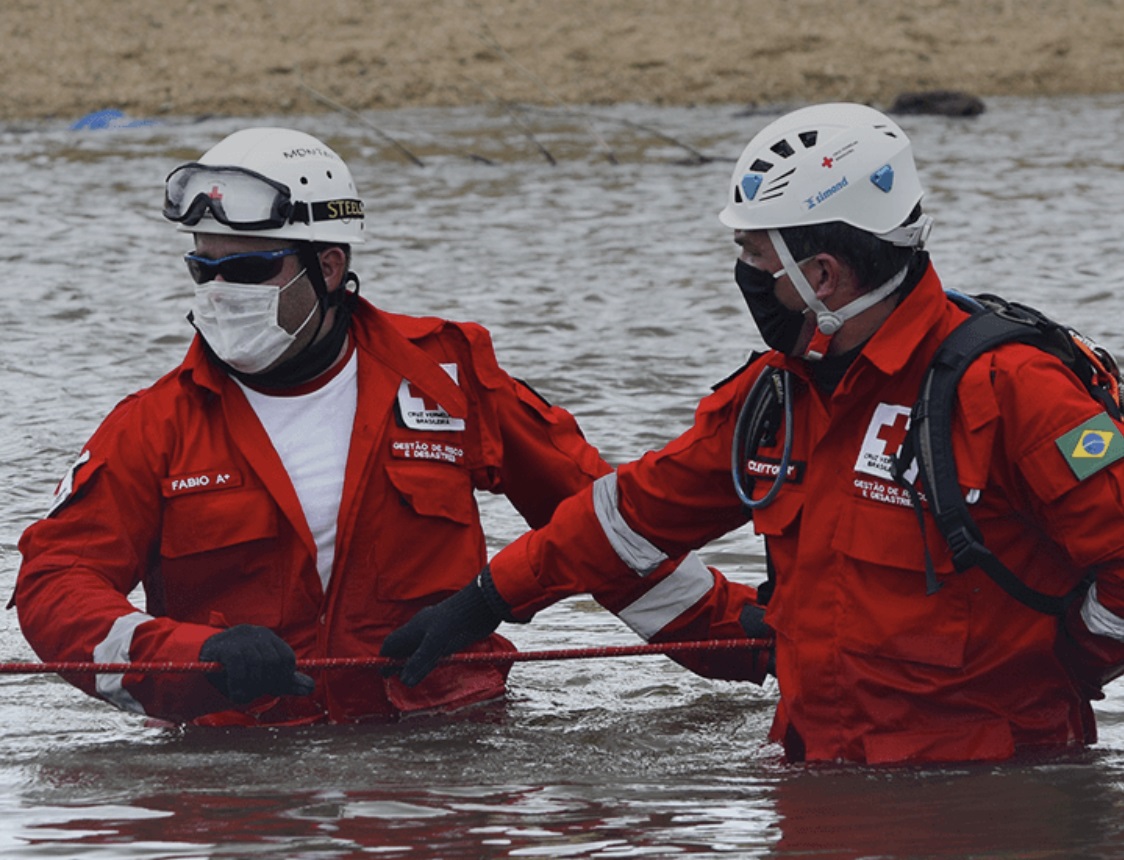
(256, 662)
(445, 628)
(752, 619)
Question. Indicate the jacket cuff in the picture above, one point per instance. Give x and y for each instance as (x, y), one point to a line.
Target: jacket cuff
(514, 583)
(1092, 656)
(166, 640)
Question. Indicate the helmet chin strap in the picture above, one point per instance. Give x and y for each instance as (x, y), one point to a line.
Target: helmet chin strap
(828, 322)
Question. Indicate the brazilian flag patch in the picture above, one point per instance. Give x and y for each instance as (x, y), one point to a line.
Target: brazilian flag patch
(1091, 446)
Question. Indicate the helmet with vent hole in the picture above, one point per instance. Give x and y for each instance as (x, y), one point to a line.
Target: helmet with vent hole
(825, 163)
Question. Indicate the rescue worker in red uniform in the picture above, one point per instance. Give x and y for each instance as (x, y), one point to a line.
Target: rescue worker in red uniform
(301, 484)
(825, 208)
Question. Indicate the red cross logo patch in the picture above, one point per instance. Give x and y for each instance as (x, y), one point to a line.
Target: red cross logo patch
(888, 428)
(419, 412)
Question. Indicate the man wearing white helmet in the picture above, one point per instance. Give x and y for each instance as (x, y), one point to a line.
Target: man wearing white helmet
(877, 659)
(301, 484)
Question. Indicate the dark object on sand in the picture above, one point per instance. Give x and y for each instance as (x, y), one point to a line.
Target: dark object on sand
(940, 102)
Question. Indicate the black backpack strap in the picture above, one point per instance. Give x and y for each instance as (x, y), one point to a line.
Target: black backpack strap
(930, 439)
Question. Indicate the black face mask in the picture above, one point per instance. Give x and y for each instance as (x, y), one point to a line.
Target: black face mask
(780, 327)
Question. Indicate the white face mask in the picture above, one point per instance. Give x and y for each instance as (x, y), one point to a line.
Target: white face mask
(240, 323)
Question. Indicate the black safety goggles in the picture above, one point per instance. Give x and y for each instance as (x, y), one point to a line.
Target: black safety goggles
(253, 267)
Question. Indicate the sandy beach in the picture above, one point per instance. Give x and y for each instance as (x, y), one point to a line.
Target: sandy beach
(65, 58)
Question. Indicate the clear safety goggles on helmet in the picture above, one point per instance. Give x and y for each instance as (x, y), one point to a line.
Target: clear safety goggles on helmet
(239, 198)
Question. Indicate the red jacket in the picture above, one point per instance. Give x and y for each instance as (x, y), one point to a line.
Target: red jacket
(871, 668)
(180, 491)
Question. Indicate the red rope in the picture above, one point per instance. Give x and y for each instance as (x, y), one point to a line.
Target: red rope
(80, 667)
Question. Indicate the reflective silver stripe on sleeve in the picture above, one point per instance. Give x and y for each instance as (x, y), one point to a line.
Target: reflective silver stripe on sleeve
(670, 598)
(115, 649)
(1098, 619)
(634, 550)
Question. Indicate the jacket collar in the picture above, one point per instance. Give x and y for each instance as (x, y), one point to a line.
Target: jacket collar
(199, 369)
(374, 333)
(923, 311)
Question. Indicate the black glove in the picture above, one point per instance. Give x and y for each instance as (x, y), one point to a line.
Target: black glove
(753, 623)
(256, 662)
(445, 628)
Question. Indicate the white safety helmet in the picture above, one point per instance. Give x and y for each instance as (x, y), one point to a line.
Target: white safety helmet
(830, 162)
(269, 182)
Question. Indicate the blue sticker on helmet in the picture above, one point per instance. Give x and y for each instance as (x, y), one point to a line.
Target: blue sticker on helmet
(883, 178)
(750, 183)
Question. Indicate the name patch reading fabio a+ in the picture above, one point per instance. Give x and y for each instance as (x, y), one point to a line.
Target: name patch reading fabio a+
(200, 482)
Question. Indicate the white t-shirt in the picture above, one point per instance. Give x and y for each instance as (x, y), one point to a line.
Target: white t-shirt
(311, 433)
